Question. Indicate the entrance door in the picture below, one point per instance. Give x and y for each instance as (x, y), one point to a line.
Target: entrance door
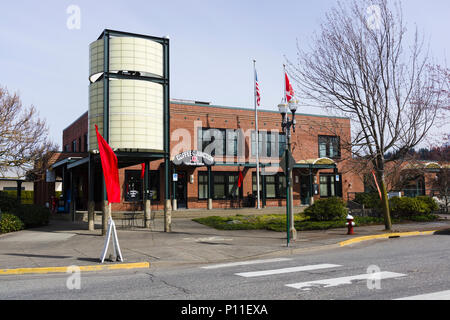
(181, 190)
(305, 190)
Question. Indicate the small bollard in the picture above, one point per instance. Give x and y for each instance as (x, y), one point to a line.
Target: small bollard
(350, 224)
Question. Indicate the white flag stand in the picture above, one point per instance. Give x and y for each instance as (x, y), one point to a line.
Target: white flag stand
(116, 247)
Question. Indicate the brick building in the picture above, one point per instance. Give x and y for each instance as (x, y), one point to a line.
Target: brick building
(227, 134)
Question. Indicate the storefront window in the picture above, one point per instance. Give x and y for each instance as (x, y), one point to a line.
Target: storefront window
(219, 186)
(134, 185)
(202, 185)
(270, 187)
(275, 185)
(224, 185)
(282, 186)
(233, 189)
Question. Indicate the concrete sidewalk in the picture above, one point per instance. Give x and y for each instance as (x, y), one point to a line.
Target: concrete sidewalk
(64, 243)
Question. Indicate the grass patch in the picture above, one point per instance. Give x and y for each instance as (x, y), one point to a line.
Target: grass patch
(277, 222)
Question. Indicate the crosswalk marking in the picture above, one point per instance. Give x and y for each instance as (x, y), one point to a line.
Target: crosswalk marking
(442, 295)
(242, 263)
(345, 280)
(286, 270)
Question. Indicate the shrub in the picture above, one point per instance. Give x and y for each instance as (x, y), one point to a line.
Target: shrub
(369, 200)
(27, 196)
(7, 203)
(318, 225)
(424, 218)
(327, 210)
(32, 215)
(430, 202)
(10, 223)
(407, 207)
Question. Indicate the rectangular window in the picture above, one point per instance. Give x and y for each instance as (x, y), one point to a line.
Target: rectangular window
(224, 185)
(271, 187)
(275, 185)
(219, 186)
(268, 143)
(134, 185)
(329, 147)
(212, 141)
(233, 190)
(254, 183)
(74, 146)
(327, 186)
(202, 185)
(282, 186)
(154, 184)
(85, 142)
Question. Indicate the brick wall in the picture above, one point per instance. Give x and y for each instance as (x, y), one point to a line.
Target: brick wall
(76, 131)
(186, 118)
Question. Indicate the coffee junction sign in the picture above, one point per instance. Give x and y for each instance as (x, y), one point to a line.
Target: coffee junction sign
(193, 158)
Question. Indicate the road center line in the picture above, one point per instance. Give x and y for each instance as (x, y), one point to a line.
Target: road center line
(286, 270)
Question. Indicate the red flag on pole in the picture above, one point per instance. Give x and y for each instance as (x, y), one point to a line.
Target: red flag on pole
(289, 90)
(142, 170)
(240, 179)
(110, 169)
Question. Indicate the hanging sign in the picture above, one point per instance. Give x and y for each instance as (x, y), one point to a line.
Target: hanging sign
(193, 158)
(50, 176)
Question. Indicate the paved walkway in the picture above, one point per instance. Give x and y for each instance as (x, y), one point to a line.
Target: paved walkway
(63, 243)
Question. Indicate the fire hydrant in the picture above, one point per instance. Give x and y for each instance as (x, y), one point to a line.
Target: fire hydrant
(350, 224)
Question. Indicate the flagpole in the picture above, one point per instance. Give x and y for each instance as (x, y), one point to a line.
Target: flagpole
(257, 139)
(284, 87)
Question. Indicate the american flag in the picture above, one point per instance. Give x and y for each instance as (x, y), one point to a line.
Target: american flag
(258, 95)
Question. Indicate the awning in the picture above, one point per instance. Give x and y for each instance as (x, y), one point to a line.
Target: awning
(318, 163)
(64, 162)
(78, 163)
(428, 166)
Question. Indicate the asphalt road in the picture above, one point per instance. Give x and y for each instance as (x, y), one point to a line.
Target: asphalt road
(374, 270)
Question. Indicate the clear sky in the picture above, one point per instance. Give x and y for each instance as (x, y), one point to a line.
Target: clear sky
(213, 44)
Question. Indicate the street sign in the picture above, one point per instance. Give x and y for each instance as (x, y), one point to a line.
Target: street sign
(291, 162)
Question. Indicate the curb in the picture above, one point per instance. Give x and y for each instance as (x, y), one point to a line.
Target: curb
(70, 269)
(385, 236)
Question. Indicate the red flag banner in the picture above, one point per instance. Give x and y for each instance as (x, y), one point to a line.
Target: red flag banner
(240, 179)
(142, 170)
(110, 169)
(289, 90)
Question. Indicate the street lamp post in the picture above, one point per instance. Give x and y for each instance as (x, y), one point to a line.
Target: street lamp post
(286, 124)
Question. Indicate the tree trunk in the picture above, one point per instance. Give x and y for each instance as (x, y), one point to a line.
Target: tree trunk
(385, 204)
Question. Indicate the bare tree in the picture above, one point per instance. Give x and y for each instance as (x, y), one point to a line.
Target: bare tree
(360, 67)
(23, 136)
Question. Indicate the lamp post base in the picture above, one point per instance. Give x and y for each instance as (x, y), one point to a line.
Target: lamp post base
(174, 205)
(147, 213)
(292, 234)
(167, 216)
